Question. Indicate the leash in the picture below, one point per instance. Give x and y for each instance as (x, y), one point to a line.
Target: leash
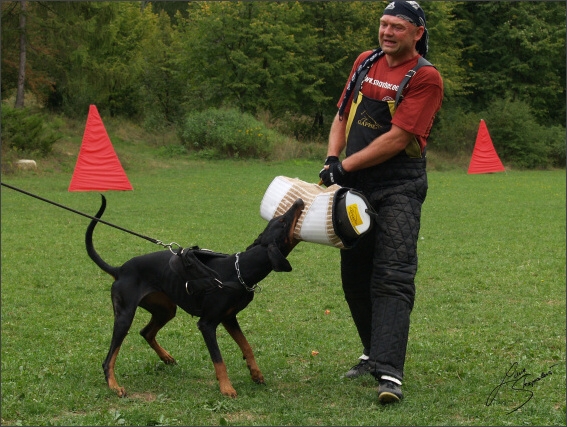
(157, 242)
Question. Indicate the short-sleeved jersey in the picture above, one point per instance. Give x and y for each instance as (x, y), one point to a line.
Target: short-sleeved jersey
(422, 97)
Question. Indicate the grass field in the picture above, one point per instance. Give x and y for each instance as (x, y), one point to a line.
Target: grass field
(487, 334)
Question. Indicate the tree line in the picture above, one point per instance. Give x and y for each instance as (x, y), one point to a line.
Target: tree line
(156, 62)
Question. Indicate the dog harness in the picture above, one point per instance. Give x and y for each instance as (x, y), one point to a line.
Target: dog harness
(197, 275)
(187, 263)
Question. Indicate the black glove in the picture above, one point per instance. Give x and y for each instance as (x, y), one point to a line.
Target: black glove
(335, 174)
(331, 159)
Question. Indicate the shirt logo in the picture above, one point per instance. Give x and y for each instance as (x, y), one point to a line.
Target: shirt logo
(381, 84)
(367, 121)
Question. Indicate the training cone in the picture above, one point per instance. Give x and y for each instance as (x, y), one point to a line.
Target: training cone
(484, 157)
(98, 167)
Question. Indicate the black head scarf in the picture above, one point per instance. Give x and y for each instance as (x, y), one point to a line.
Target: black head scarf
(410, 11)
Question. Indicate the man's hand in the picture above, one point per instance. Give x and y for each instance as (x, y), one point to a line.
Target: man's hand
(331, 159)
(333, 173)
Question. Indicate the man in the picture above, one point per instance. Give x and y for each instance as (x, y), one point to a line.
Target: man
(385, 136)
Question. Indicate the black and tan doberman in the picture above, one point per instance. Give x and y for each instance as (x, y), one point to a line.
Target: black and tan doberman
(150, 281)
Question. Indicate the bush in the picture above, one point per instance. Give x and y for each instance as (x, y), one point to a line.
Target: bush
(27, 132)
(227, 134)
(304, 128)
(455, 131)
(518, 138)
(171, 151)
(556, 138)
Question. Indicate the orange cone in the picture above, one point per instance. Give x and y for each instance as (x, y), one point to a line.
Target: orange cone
(97, 167)
(484, 157)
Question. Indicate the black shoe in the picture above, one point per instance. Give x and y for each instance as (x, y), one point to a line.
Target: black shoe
(362, 368)
(389, 392)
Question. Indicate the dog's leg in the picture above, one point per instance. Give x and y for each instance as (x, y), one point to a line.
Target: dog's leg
(233, 328)
(162, 310)
(209, 330)
(123, 317)
(108, 368)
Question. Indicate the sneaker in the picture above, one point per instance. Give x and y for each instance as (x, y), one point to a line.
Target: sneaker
(362, 368)
(389, 392)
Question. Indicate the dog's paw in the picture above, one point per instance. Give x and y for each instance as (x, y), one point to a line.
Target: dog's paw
(113, 385)
(259, 380)
(229, 392)
(169, 360)
(257, 376)
(166, 357)
(120, 391)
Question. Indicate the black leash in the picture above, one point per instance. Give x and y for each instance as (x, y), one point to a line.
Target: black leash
(157, 242)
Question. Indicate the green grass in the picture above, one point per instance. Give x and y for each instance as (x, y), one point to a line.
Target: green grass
(490, 292)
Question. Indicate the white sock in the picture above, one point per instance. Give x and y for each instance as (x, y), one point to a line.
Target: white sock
(364, 357)
(389, 378)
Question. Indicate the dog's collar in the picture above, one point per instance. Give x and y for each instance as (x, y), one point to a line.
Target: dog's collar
(255, 287)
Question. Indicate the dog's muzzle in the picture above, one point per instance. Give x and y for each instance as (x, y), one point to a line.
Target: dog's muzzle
(334, 216)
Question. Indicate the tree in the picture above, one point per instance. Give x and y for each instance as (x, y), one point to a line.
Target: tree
(22, 66)
(290, 59)
(344, 30)
(255, 56)
(293, 57)
(73, 34)
(162, 88)
(21, 69)
(515, 50)
(95, 55)
(445, 46)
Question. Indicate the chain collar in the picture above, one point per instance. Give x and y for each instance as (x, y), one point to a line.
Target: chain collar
(252, 288)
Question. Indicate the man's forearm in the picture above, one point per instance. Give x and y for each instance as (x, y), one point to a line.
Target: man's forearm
(337, 137)
(378, 151)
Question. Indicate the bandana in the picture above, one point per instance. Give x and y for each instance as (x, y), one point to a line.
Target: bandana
(412, 12)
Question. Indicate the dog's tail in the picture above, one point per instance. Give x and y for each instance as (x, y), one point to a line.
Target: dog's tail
(113, 271)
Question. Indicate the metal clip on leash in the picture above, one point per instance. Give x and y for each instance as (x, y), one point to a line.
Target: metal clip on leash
(170, 247)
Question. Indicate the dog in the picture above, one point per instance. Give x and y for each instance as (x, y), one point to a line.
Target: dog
(154, 282)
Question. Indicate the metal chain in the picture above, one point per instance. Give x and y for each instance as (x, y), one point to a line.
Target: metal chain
(252, 288)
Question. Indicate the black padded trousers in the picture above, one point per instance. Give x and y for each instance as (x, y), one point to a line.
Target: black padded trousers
(378, 272)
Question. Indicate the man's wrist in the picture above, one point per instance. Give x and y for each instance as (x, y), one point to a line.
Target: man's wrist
(331, 159)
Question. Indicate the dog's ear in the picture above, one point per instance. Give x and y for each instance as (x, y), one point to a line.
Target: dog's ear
(279, 262)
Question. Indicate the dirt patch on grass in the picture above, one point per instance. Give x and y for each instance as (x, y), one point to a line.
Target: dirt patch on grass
(146, 397)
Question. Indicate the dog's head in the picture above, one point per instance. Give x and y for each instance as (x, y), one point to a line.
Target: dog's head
(278, 238)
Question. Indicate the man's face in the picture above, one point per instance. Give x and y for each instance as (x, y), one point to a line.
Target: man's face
(397, 36)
